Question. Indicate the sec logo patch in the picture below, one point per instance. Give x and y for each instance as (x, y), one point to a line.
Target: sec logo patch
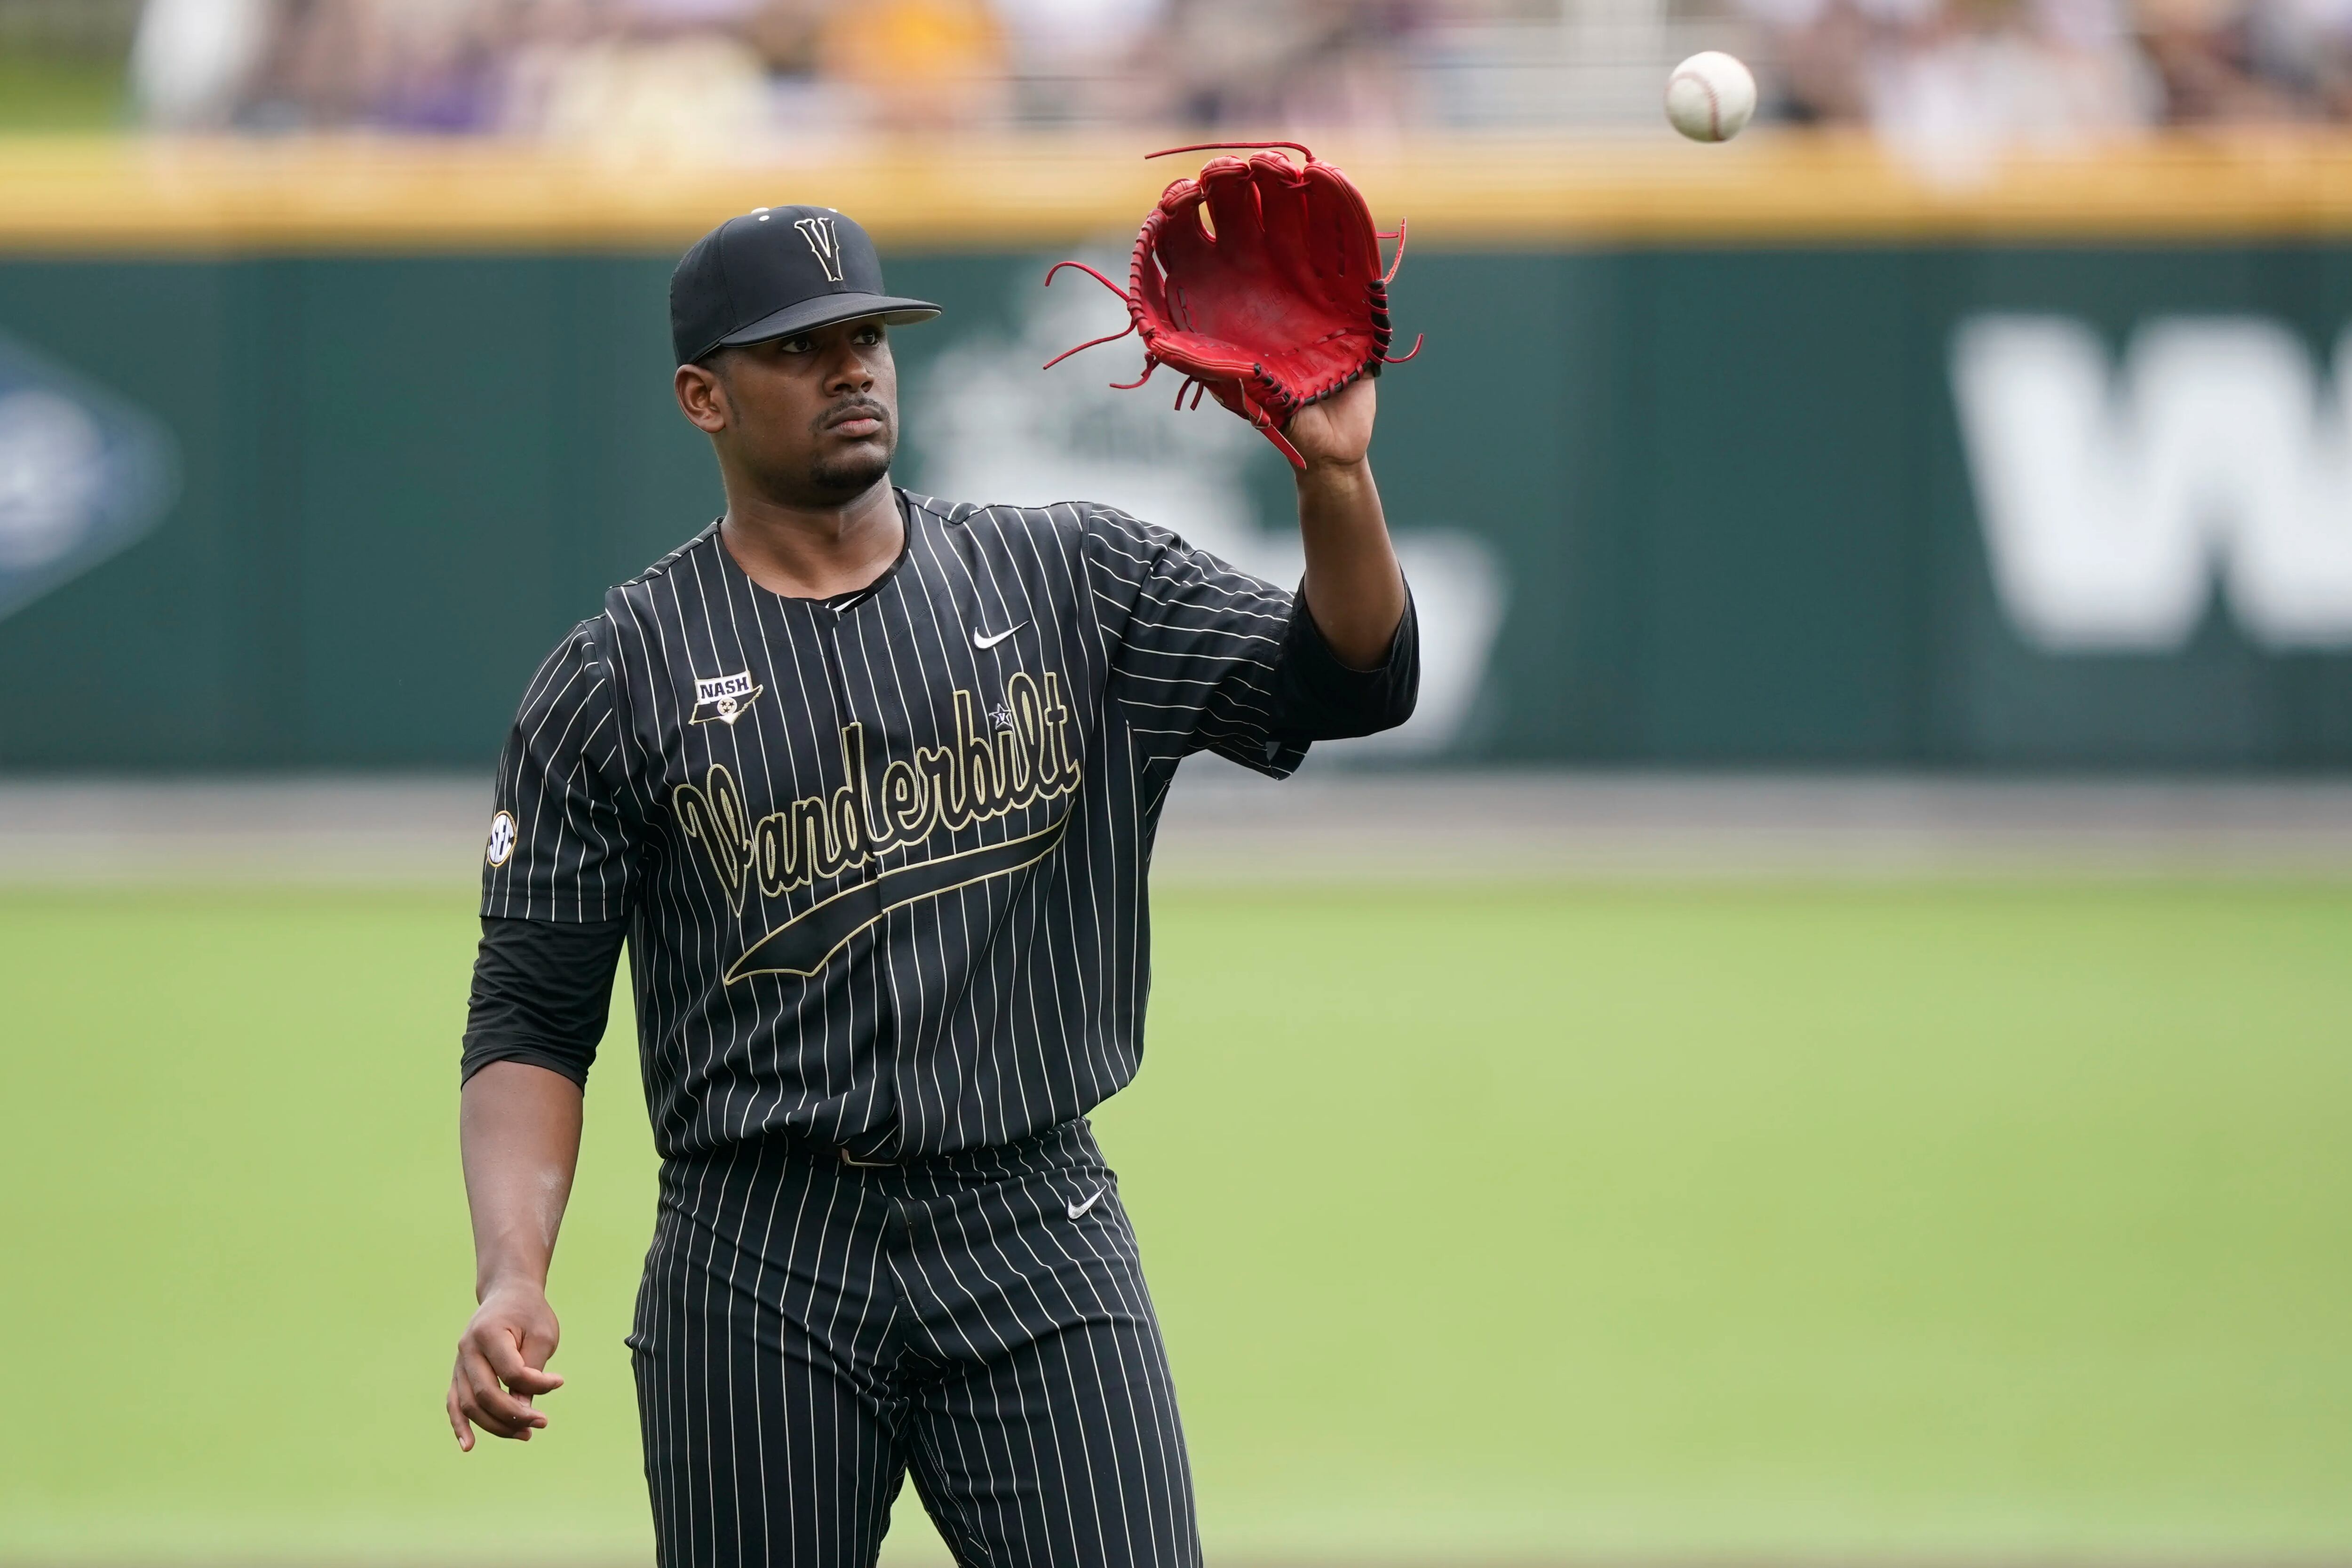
(503, 838)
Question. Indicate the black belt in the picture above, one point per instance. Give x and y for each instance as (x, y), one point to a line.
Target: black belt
(818, 1154)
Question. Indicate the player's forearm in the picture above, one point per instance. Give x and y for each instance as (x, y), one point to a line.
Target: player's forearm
(1354, 587)
(519, 1131)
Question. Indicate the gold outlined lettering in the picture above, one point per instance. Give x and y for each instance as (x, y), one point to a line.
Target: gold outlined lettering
(713, 817)
(981, 773)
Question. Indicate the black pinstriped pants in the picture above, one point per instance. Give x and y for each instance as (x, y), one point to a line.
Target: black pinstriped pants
(808, 1332)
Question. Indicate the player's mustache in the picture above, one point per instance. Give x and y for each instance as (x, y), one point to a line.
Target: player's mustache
(854, 408)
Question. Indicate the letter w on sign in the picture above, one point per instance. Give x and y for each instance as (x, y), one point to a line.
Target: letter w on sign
(2110, 501)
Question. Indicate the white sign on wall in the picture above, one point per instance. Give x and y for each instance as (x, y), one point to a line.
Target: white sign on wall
(2113, 497)
(82, 475)
(996, 429)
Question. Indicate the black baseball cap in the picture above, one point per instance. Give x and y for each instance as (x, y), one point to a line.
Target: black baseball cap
(775, 271)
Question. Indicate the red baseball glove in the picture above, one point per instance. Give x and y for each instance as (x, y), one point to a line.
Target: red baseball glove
(1260, 281)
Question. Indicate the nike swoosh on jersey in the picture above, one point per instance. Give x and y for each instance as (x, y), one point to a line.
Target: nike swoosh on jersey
(1078, 1211)
(804, 944)
(978, 641)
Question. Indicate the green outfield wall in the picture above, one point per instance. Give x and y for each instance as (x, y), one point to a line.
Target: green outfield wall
(1690, 507)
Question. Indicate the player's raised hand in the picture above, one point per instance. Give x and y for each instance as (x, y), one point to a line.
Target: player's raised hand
(1338, 431)
(502, 1367)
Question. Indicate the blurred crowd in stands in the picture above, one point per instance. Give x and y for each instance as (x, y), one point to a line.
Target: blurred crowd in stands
(739, 74)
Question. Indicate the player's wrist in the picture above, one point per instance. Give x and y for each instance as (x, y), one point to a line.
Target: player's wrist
(1326, 469)
(510, 1284)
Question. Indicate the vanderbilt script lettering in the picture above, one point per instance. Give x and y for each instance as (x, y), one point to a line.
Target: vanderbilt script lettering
(985, 771)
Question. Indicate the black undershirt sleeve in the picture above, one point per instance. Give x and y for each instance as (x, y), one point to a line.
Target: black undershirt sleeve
(542, 990)
(1316, 697)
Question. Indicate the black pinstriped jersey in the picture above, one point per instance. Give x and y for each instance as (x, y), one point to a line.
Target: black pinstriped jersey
(882, 859)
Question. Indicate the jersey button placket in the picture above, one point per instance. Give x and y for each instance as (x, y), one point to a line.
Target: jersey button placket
(832, 627)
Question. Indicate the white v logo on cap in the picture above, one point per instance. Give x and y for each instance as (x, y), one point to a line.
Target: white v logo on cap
(818, 232)
(750, 280)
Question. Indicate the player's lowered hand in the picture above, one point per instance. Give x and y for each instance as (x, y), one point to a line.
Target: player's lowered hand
(1338, 431)
(502, 1365)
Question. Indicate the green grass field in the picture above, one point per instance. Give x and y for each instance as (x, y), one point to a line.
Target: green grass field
(1903, 1222)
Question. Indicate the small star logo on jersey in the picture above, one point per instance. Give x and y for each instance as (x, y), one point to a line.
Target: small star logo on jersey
(1001, 716)
(503, 838)
(723, 698)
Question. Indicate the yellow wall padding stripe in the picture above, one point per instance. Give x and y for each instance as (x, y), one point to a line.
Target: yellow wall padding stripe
(131, 196)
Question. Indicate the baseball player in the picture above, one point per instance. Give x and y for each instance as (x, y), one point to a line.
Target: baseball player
(867, 782)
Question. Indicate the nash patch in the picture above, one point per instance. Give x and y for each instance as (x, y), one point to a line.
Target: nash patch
(723, 697)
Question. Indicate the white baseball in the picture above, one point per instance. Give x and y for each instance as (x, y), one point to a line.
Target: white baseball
(1710, 96)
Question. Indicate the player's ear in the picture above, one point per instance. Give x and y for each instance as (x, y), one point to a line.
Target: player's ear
(702, 397)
